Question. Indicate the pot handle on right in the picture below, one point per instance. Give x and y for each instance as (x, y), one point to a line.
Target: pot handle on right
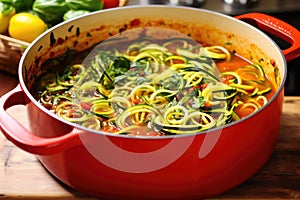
(278, 28)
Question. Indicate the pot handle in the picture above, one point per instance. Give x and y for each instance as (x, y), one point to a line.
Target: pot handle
(22, 137)
(278, 28)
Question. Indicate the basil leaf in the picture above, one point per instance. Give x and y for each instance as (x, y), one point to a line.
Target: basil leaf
(74, 13)
(51, 11)
(90, 5)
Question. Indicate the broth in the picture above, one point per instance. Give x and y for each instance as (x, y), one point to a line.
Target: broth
(154, 87)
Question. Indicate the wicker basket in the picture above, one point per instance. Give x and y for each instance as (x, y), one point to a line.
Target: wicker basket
(11, 51)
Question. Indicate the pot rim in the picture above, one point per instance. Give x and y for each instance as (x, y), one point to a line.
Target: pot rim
(79, 127)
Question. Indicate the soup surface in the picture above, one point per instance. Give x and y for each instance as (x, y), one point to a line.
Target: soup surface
(153, 87)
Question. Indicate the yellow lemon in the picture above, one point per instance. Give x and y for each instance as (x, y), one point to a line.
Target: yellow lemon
(26, 26)
(4, 20)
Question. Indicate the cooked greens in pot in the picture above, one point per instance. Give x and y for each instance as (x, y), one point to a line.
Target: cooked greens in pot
(156, 87)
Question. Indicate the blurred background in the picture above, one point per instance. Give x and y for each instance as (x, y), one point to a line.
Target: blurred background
(286, 10)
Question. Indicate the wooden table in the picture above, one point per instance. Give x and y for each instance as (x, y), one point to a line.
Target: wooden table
(22, 176)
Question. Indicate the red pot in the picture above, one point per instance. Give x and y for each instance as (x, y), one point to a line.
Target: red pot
(172, 167)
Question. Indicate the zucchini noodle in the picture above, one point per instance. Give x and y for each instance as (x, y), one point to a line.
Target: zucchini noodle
(176, 115)
(71, 112)
(167, 86)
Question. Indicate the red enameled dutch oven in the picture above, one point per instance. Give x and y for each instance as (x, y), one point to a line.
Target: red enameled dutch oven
(172, 167)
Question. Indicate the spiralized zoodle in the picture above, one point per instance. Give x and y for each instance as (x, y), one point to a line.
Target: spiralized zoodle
(155, 88)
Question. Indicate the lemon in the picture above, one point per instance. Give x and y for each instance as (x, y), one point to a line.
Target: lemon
(5, 14)
(4, 21)
(26, 26)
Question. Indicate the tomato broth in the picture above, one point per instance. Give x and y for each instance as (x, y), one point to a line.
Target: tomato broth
(153, 87)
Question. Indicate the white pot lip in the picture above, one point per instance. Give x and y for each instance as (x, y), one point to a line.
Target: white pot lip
(43, 109)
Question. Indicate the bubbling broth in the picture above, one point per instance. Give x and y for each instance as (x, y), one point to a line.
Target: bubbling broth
(154, 85)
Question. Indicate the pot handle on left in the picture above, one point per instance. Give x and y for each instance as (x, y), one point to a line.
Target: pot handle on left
(278, 28)
(22, 137)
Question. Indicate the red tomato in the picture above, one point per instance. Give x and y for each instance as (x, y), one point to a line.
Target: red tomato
(86, 106)
(110, 3)
(109, 129)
